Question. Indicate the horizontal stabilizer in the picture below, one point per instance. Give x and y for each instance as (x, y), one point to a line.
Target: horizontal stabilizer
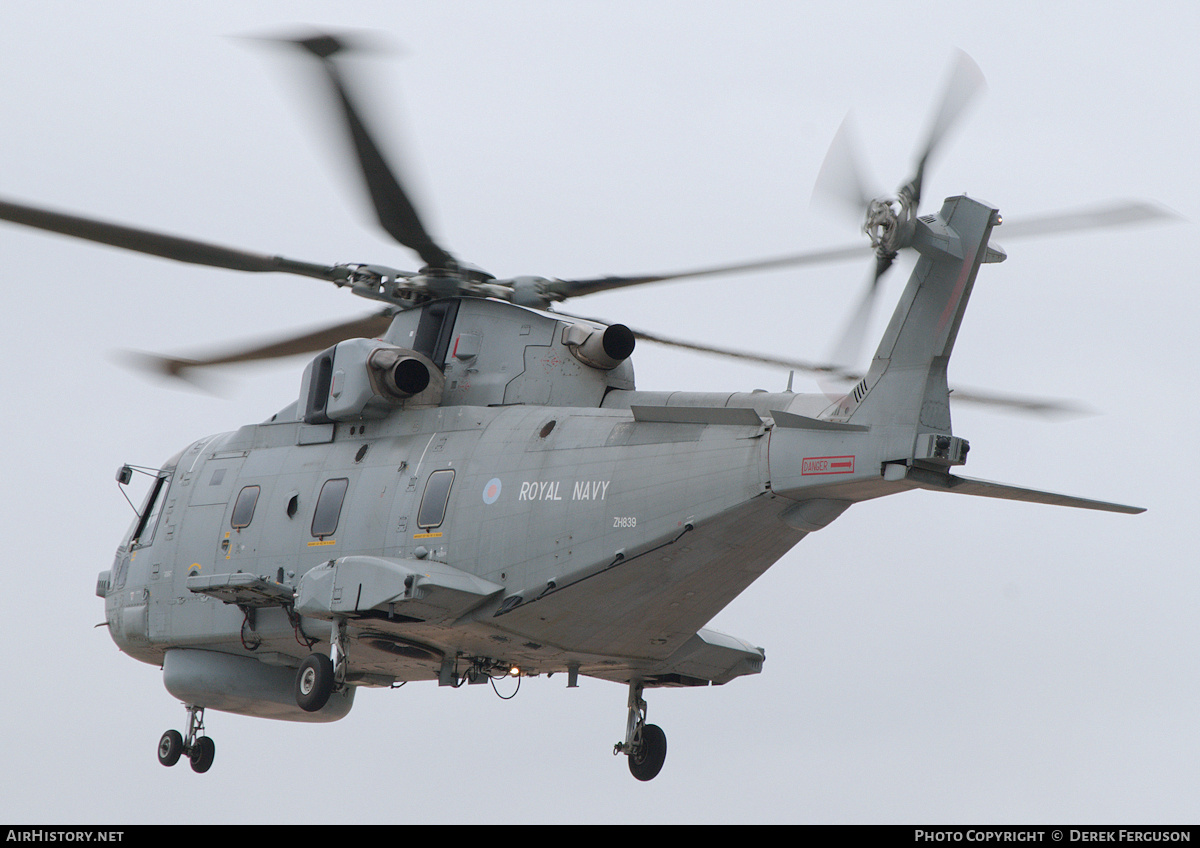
(803, 422)
(940, 482)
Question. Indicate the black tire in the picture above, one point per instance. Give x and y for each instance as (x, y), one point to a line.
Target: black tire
(202, 754)
(646, 760)
(314, 682)
(170, 748)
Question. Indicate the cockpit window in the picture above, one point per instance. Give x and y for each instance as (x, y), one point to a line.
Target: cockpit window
(329, 507)
(243, 508)
(143, 531)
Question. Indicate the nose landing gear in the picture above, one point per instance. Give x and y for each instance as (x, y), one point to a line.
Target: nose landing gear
(200, 749)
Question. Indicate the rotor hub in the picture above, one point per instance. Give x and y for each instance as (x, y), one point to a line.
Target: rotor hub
(888, 222)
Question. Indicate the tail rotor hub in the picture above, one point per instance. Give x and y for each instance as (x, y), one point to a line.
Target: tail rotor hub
(883, 224)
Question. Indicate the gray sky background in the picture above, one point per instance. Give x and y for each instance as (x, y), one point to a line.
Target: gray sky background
(929, 658)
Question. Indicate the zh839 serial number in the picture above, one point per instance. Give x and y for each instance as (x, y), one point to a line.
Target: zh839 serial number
(624, 521)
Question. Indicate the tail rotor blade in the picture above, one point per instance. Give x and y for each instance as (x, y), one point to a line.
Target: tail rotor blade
(850, 342)
(842, 176)
(964, 84)
(1107, 216)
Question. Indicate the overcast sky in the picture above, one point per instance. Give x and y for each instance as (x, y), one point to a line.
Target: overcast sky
(930, 658)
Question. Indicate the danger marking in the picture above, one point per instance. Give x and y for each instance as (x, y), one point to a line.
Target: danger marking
(827, 465)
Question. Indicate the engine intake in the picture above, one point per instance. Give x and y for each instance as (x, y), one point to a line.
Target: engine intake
(365, 378)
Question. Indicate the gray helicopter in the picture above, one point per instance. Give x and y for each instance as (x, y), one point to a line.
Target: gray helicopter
(469, 486)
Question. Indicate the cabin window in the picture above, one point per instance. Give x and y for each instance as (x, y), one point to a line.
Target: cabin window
(329, 507)
(433, 502)
(243, 508)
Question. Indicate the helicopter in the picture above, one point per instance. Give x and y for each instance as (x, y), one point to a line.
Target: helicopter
(469, 485)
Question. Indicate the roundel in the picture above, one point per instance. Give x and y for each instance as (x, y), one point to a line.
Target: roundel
(491, 492)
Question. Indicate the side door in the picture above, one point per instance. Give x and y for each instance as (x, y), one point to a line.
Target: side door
(429, 511)
(201, 545)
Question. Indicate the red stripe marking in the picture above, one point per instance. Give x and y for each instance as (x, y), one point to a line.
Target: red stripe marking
(956, 295)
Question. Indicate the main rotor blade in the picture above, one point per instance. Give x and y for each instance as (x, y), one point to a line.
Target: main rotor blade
(1043, 407)
(576, 288)
(392, 205)
(1110, 215)
(822, 368)
(369, 326)
(965, 81)
(1106, 216)
(159, 244)
(1013, 403)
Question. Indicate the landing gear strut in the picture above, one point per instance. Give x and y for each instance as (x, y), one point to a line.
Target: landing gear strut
(645, 744)
(200, 749)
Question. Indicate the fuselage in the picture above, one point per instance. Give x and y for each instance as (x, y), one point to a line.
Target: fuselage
(534, 501)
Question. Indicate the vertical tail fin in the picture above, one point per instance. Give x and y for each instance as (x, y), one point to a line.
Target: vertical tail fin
(903, 402)
(906, 387)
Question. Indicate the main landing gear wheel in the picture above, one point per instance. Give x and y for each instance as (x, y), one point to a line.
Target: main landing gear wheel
(645, 744)
(314, 682)
(647, 757)
(200, 749)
